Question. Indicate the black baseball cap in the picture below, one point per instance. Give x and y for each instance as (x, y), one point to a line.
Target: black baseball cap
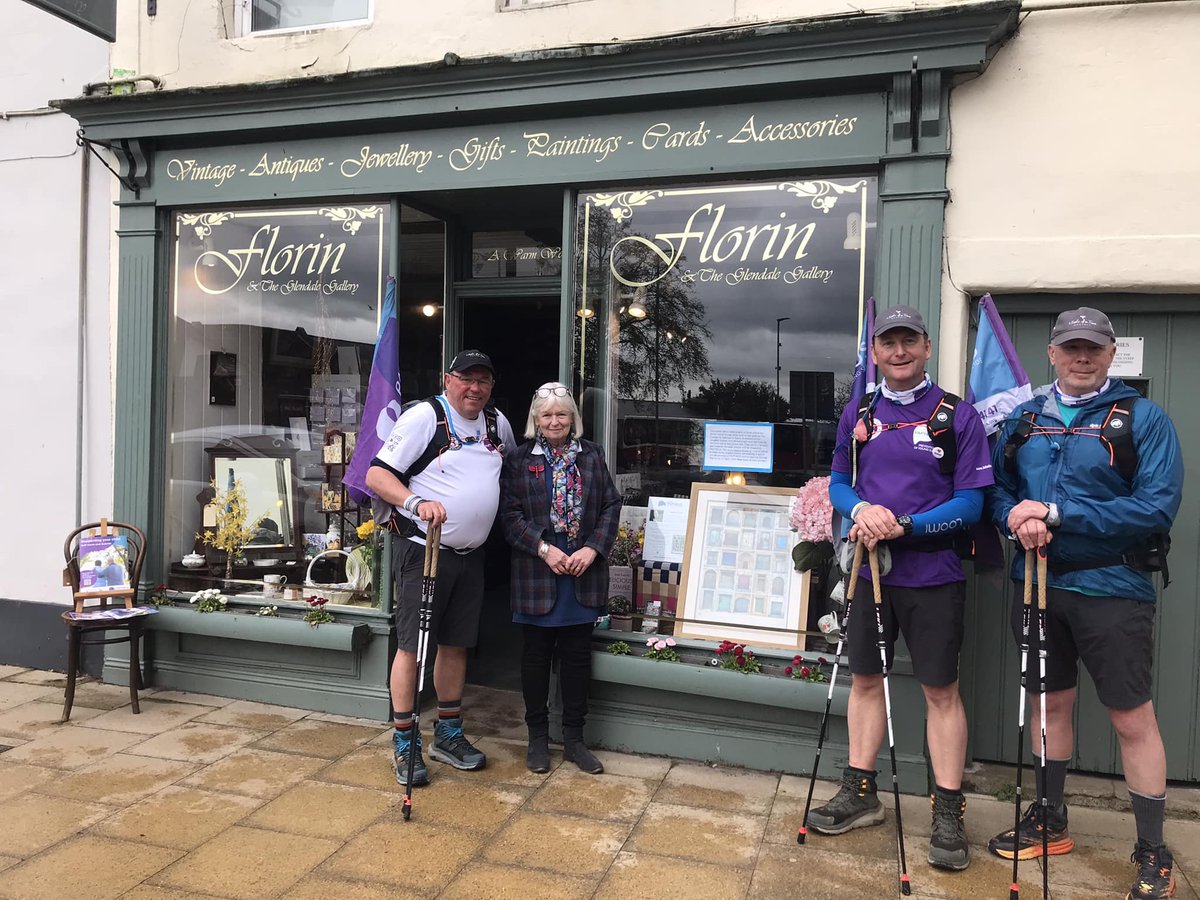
(470, 359)
(899, 317)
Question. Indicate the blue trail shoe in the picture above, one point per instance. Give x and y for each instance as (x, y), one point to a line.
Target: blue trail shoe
(401, 747)
(451, 746)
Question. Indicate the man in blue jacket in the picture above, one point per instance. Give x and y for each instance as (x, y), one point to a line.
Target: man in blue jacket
(1068, 478)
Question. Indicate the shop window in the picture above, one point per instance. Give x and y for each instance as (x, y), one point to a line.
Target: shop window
(275, 313)
(731, 302)
(273, 16)
(515, 254)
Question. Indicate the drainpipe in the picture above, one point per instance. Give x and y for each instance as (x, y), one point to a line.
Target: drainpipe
(80, 355)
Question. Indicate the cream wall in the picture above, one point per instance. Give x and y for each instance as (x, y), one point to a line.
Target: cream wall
(1075, 161)
(196, 43)
(42, 58)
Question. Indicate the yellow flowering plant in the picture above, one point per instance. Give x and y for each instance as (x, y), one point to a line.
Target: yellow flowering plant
(233, 530)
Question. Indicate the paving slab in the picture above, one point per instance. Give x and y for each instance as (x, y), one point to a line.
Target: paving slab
(72, 748)
(507, 883)
(473, 806)
(316, 737)
(31, 720)
(32, 822)
(197, 742)
(709, 787)
(505, 763)
(613, 798)
(644, 876)
(246, 864)
(651, 768)
(7, 862)
(13, 693)
(316, 887)
(372, 855)
(189, 697)
(89, 866)
(119, 780)
(17, 779)
(256, 773)
(816, 873)
(97, 695)
(10, 671)
(369, 766)
(41, 676)
(179, 817)
(316, 809)
(150, 892)
(721, 837)
(874, 842)
(254, 716)
(563, 844)
(156, 716)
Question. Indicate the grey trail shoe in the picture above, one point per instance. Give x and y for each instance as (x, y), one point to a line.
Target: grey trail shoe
(856, 805)
(451, 746)
(948, 847)
(401, 747)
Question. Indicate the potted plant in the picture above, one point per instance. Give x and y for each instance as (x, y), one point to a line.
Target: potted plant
(620, 608)
(812, 520)
(625, 554)
(233, 530)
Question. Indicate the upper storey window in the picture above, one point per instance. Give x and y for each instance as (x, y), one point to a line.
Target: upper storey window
(274, 16)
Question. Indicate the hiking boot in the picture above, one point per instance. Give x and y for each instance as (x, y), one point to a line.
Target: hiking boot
(401, 745)
(948, 848)
(855, 805)
(451, 746)
(537, 756)
(574, 750)
(1154, 876)
(1028, 837)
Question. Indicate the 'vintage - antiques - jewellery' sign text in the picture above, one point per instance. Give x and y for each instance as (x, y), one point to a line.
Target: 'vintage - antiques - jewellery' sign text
(749, 137)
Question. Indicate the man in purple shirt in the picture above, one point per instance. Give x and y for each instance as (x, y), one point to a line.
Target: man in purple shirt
(910, 469)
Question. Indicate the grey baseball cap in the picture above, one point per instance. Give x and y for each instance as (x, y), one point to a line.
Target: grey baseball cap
(899, 317)
(1083, 324)
(469, 359)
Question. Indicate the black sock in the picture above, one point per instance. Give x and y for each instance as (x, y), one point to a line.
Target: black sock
(948, 793)
(868, 774)
(1149, 813)
(1056, 782)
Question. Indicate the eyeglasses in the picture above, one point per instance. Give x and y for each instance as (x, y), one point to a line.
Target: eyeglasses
(475, 382)
(544, 393)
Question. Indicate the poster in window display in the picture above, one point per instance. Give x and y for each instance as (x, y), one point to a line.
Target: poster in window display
(738, 580)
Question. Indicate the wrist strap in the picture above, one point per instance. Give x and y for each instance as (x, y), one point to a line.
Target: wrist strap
(857, 508)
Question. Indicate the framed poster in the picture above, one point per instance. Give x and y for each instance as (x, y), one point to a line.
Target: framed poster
(738, 580)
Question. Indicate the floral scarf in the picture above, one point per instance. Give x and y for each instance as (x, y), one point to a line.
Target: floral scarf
(566, 501)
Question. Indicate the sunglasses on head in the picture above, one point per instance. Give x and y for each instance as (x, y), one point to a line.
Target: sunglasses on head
(544, 392)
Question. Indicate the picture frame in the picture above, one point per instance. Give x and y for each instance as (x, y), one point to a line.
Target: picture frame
(723, 569)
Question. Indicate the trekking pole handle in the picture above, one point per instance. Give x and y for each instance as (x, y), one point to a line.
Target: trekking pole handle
(873, 558)
(1041, 577)
(854, 567)
(433, 544)
(1029, 578)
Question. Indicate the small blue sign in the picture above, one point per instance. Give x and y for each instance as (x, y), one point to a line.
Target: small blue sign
(739, 446)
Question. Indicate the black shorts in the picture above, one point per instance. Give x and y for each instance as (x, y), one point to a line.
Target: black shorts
(931, 620)
(1114, 636)
(457, 595)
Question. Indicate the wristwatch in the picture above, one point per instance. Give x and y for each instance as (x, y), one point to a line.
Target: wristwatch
(905, 522)
(543, 549)
(1053, 516)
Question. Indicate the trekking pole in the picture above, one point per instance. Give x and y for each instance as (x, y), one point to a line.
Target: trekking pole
(812, 780)
(873, 558)
(1014, 889)
(433, 542)
(1041, 622)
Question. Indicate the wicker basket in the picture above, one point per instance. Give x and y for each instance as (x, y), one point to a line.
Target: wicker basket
(335, 593)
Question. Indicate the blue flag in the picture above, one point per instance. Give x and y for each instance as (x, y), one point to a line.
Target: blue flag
(999, 383)
(864, 367)
(382, 406)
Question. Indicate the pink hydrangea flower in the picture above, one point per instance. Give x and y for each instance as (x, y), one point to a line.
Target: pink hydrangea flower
(812, 513)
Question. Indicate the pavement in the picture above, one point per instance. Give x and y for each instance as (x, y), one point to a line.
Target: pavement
(207, 797)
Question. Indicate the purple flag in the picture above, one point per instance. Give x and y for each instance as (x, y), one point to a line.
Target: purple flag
(998, 382)
(864, 368)
(382, 406)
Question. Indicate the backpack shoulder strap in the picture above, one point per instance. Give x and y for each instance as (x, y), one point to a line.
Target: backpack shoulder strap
(1016, 439)
(941, 432)
(863, 415)
(439, 442)
(1117, 434)
(491, 419)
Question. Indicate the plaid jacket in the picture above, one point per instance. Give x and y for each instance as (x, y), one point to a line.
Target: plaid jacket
(525, 518)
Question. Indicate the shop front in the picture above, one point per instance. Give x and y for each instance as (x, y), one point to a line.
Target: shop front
(685, 233)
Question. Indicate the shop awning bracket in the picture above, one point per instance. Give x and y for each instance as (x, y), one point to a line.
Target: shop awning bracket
(917, 104)
(134, 166)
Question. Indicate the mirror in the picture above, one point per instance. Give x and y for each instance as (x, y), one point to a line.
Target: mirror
(265, 466)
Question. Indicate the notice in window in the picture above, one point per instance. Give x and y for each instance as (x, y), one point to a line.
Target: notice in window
(738, 446)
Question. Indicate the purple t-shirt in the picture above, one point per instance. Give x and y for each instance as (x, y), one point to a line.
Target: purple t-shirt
(897, 469)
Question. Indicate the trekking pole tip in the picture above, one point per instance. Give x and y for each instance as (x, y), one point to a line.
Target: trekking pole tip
(905, 885)
(801, 834)
(407, 808)
(1013, 891)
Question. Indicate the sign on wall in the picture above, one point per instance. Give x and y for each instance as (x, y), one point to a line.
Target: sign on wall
(750, 137)
(98, 17)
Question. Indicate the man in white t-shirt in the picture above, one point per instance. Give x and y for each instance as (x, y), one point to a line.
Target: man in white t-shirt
(459, 489)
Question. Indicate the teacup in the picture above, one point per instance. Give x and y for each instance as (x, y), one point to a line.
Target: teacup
(273, 585)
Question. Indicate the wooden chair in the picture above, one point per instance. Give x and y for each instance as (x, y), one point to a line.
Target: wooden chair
(114, 609)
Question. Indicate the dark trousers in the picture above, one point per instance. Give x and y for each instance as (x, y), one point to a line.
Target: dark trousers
(572, 644)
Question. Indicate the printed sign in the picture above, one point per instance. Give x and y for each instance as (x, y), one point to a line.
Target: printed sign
(738, 446)
(1128, 361)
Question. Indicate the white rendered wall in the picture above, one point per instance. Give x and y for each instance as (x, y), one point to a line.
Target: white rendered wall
(43, 58)
(1075, 162)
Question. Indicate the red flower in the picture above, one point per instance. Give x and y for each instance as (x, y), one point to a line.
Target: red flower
(739, 649)
(788, 670)
(741, 660)
(796, 660)
(822, 660)
(805, 671)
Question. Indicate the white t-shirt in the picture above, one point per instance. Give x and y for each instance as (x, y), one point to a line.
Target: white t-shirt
(466, 481)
